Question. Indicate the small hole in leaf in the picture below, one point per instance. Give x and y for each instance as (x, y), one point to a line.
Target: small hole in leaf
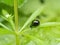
(42, 1)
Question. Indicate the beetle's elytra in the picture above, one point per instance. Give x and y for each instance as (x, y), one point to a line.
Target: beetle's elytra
(35, 23)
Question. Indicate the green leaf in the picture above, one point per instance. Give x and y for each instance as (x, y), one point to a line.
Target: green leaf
(8, 18)
(5, 13)
(5, 31)
(7, 40)
(49, 35)
(10, 2)
(2, 25)
(30, 6)
(6, 37)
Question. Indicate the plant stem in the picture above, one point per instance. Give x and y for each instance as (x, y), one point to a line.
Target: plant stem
(17, 39)
(16, 21)
(16, 14)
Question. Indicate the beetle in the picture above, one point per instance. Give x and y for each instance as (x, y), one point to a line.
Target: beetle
(35, 23)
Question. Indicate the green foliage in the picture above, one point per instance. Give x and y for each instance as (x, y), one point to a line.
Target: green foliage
(10, 2)
(47, 33)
